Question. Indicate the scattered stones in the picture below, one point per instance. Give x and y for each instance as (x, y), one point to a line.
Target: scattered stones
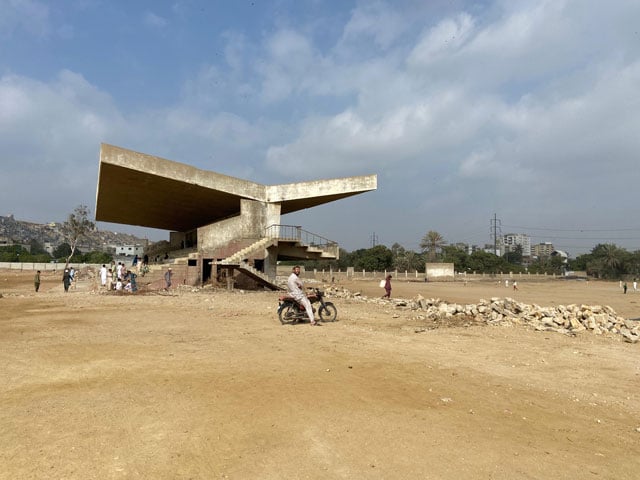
(565, 319)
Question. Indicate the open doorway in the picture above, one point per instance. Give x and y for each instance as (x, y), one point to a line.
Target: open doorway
(206, 270)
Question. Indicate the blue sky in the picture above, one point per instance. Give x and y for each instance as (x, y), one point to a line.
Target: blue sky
(529, 110)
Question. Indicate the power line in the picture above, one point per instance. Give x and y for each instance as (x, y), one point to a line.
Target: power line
(582, 230)
(584, 238)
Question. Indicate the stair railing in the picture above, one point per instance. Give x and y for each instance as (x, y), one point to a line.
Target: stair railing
(297, 234)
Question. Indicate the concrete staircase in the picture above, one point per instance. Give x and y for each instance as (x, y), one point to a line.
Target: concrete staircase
(238, 261)
(298, 244)
(246, 252)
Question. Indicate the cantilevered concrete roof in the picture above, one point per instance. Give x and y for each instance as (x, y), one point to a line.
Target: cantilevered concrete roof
(139, 189)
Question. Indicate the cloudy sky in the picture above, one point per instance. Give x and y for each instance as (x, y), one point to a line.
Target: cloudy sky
(529, 110)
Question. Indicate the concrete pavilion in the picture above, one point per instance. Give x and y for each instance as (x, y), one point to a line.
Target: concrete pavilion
(216, 221)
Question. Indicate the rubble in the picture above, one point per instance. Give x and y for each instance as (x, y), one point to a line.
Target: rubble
(566, 319)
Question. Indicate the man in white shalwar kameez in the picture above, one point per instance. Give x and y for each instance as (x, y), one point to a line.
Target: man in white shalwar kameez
(295, 286)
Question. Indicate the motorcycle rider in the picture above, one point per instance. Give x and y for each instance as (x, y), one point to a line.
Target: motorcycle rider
(295, 286)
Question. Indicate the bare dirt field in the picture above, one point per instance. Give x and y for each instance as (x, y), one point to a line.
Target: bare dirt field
(206, 384)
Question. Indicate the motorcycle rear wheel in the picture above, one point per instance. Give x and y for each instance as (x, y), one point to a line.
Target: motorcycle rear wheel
(287, 315)
(328, 312)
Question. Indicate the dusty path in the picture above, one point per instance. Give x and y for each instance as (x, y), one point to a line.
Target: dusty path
(208, 384)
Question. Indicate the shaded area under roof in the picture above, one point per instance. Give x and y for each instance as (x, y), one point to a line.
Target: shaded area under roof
(139, 189)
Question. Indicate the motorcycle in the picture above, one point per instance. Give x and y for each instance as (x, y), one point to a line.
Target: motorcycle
(290, 311)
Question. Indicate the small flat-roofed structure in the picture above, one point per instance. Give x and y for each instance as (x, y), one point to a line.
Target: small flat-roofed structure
(221, 220)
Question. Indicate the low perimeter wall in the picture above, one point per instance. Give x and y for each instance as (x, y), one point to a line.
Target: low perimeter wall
(330, 275)
(350, 273)
(45, 267)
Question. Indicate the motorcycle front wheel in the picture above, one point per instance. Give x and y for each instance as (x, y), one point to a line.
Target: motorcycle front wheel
(328, 312)
(287, 315)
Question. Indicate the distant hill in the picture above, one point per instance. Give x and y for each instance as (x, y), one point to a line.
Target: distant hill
(14, 231)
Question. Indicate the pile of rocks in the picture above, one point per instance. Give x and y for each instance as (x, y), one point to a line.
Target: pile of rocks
(569, 319)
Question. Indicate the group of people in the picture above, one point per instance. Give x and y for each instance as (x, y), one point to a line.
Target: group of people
(515, 284)
(69, 278)
(118, 278)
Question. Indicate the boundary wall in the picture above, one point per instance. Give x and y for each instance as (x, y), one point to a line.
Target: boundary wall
(45, 267)
(327, 276)
(350, 273)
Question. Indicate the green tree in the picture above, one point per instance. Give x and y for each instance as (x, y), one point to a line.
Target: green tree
(515, 256)
(608, 261)
(62, 251)
(96, 257)
(457, 256)
(547, 265)
(432, 244)
(377, 258)
(406, 260)
(37, 248)
(483, 262)
(76, 227)
(12, 253)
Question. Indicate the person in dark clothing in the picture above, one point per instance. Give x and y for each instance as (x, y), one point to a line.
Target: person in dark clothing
(66, 279)
(36, 280)
(167, 279)
(387, 287)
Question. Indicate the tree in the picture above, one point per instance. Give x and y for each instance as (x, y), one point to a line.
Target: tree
(514, 256)
(62, 251)
(37, 248)
(76, 227)
(432, 243)
(97, 257)
(608, 261)
(457, 256)
(480, 261)
(377, 258)
(406, 260)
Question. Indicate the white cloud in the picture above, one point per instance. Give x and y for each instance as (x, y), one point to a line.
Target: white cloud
(290, 58)
(523, 106)
(446, 38)
(153, 20)
(377, 21)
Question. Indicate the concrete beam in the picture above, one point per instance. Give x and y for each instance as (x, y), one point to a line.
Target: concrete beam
(139, 189)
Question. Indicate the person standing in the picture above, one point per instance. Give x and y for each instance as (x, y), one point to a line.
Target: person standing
(119, 269)
(295, 286)
(624, 287)
(387, 287)
(110, 281)
(36, 281)
(66, 280)
(72, 278)
(167, 279)
(103, 275)
(635, 284)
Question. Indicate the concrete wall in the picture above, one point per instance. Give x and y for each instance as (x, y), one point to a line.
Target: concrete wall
(45, 267)
(440, 271)
(252, 222)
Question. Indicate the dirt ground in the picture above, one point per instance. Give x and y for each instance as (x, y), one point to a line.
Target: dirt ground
(206, 384)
